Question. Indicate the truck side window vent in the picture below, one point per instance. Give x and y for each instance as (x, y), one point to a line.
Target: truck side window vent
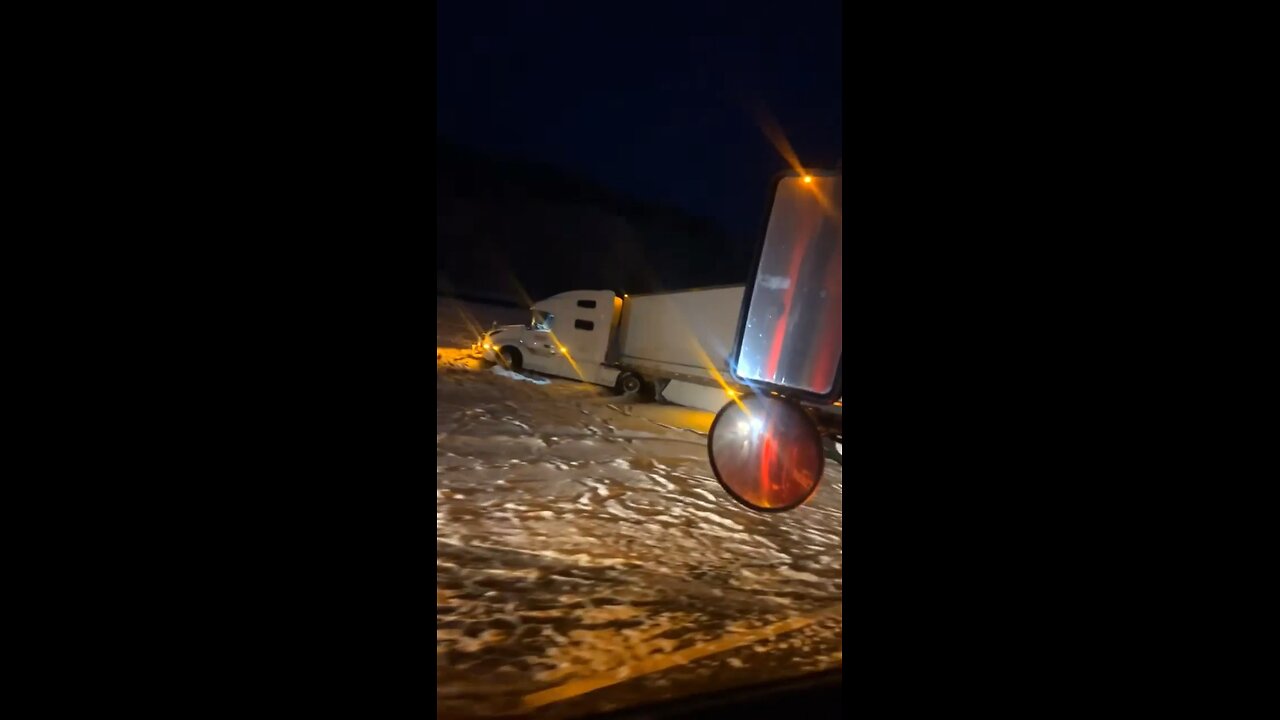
(587, 303)
(584, 324)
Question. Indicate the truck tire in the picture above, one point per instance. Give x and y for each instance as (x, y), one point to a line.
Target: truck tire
(510, 358)
(631, 383)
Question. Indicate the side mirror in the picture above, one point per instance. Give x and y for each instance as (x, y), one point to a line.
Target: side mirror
(766, 453)
(790, 330)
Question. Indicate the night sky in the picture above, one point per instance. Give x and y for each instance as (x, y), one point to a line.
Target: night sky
(661, 101)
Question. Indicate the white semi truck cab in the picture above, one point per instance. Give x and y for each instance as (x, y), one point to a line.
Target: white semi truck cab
(568, 335)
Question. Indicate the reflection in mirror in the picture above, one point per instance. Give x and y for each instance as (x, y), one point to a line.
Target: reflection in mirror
(792, 337)
(766, 452)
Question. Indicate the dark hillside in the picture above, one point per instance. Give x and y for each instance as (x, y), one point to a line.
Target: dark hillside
(504, 223)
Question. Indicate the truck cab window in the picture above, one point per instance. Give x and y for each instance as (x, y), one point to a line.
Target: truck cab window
(541, 321)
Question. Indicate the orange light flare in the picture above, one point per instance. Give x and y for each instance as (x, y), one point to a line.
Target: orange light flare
(564, 351)
(470, 322)
(825, 202)
(773, 132)
(524, 296)
(560, 347)
(711, 368)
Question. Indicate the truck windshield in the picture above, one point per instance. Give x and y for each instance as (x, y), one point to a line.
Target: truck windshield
(541, 320)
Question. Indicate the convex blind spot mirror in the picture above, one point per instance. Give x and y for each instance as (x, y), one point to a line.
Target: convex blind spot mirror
(766, 452)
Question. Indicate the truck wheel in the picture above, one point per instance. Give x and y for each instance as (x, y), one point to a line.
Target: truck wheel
(630, 383)
(510, 358)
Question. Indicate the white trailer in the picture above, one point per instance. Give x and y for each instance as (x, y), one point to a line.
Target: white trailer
(680, 342)
(673, 345)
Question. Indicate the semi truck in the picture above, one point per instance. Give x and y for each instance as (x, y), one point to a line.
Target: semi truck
(673, 346)
(670, 345)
